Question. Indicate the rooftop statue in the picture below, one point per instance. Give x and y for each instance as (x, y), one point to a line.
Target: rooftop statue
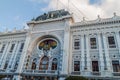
(52, 15)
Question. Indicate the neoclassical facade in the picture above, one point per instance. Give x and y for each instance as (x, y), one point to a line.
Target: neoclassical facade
(55, 47)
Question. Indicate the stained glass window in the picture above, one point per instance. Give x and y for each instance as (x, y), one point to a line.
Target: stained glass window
(47, 44)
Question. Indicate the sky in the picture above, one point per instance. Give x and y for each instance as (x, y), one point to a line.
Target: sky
(16, 13)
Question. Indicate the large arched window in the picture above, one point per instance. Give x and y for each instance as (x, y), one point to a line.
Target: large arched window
(44, 63)
(54, 64)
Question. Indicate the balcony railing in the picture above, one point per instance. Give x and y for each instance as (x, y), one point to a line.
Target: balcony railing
(96, 73)
(7, 71)
(2, 70)
(55, 72)
(75, 73)
(116, 73)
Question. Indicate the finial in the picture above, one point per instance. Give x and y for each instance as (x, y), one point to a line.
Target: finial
(14, 29)
(98, 16)
(6, 30)
(23, 27)
(83, 18)
(114, 14)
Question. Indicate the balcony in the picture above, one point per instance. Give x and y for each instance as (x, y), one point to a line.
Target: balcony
(75, 73)
(2, 70)
(116, 73)
(96, 73)
(9, 72)
(40, 72)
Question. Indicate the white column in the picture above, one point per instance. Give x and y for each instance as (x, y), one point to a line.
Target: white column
(118, 40)
(66, 48)
(88, 53)
(2, 53)
(65, 54)
(106, 53)
(82, 53)
(71, 51)
(24, 53)
(13, 53)
(5, 53)
(0, 49)
(100, 52)
(16, 53)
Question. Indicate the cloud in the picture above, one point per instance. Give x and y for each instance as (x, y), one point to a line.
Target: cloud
(84, 8)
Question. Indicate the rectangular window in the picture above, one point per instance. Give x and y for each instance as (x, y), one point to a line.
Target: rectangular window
(12, 47)
(77, 44)
(111, 42)
(116, 66)
(2, 49)
(95, 66)
(21, 47)
(76, 65)
(6, 64)
(93, 43)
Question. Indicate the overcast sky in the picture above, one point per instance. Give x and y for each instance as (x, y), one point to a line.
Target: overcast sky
(15, 13)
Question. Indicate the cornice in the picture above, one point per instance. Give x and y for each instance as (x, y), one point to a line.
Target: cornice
(10, 33)
(97, 22)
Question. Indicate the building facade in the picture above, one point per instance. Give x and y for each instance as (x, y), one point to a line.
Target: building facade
(55, 47)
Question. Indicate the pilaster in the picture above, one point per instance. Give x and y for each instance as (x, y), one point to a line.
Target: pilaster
(82, 53)
(24, 53)
(66, 48)
(16, 53)
(118, 40)
(13, 53)
(5, 53)
(107, 58)
(101, 60)
(87, 57)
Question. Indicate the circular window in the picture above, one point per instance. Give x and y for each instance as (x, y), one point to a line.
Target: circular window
(47, 44)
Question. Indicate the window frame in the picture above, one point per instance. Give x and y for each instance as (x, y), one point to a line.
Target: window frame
(116, 67)
(111, 45)
(2, 48)
(12, 47)
(78, 66)
(54, 66)
(76, 39)
(96, 44)
(95, 68)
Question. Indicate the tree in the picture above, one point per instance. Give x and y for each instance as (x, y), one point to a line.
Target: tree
(76, 78)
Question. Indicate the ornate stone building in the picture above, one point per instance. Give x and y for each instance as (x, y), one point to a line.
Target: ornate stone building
(55, 47)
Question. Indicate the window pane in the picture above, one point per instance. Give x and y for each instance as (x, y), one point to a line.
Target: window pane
(95, 66)
(2, 49)
(12, 47)
(54, 64)
(93, 43)
(116, 66)
(21, 47)
(111, 42)
(44, 63)
(77, 44)
(76, 65)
